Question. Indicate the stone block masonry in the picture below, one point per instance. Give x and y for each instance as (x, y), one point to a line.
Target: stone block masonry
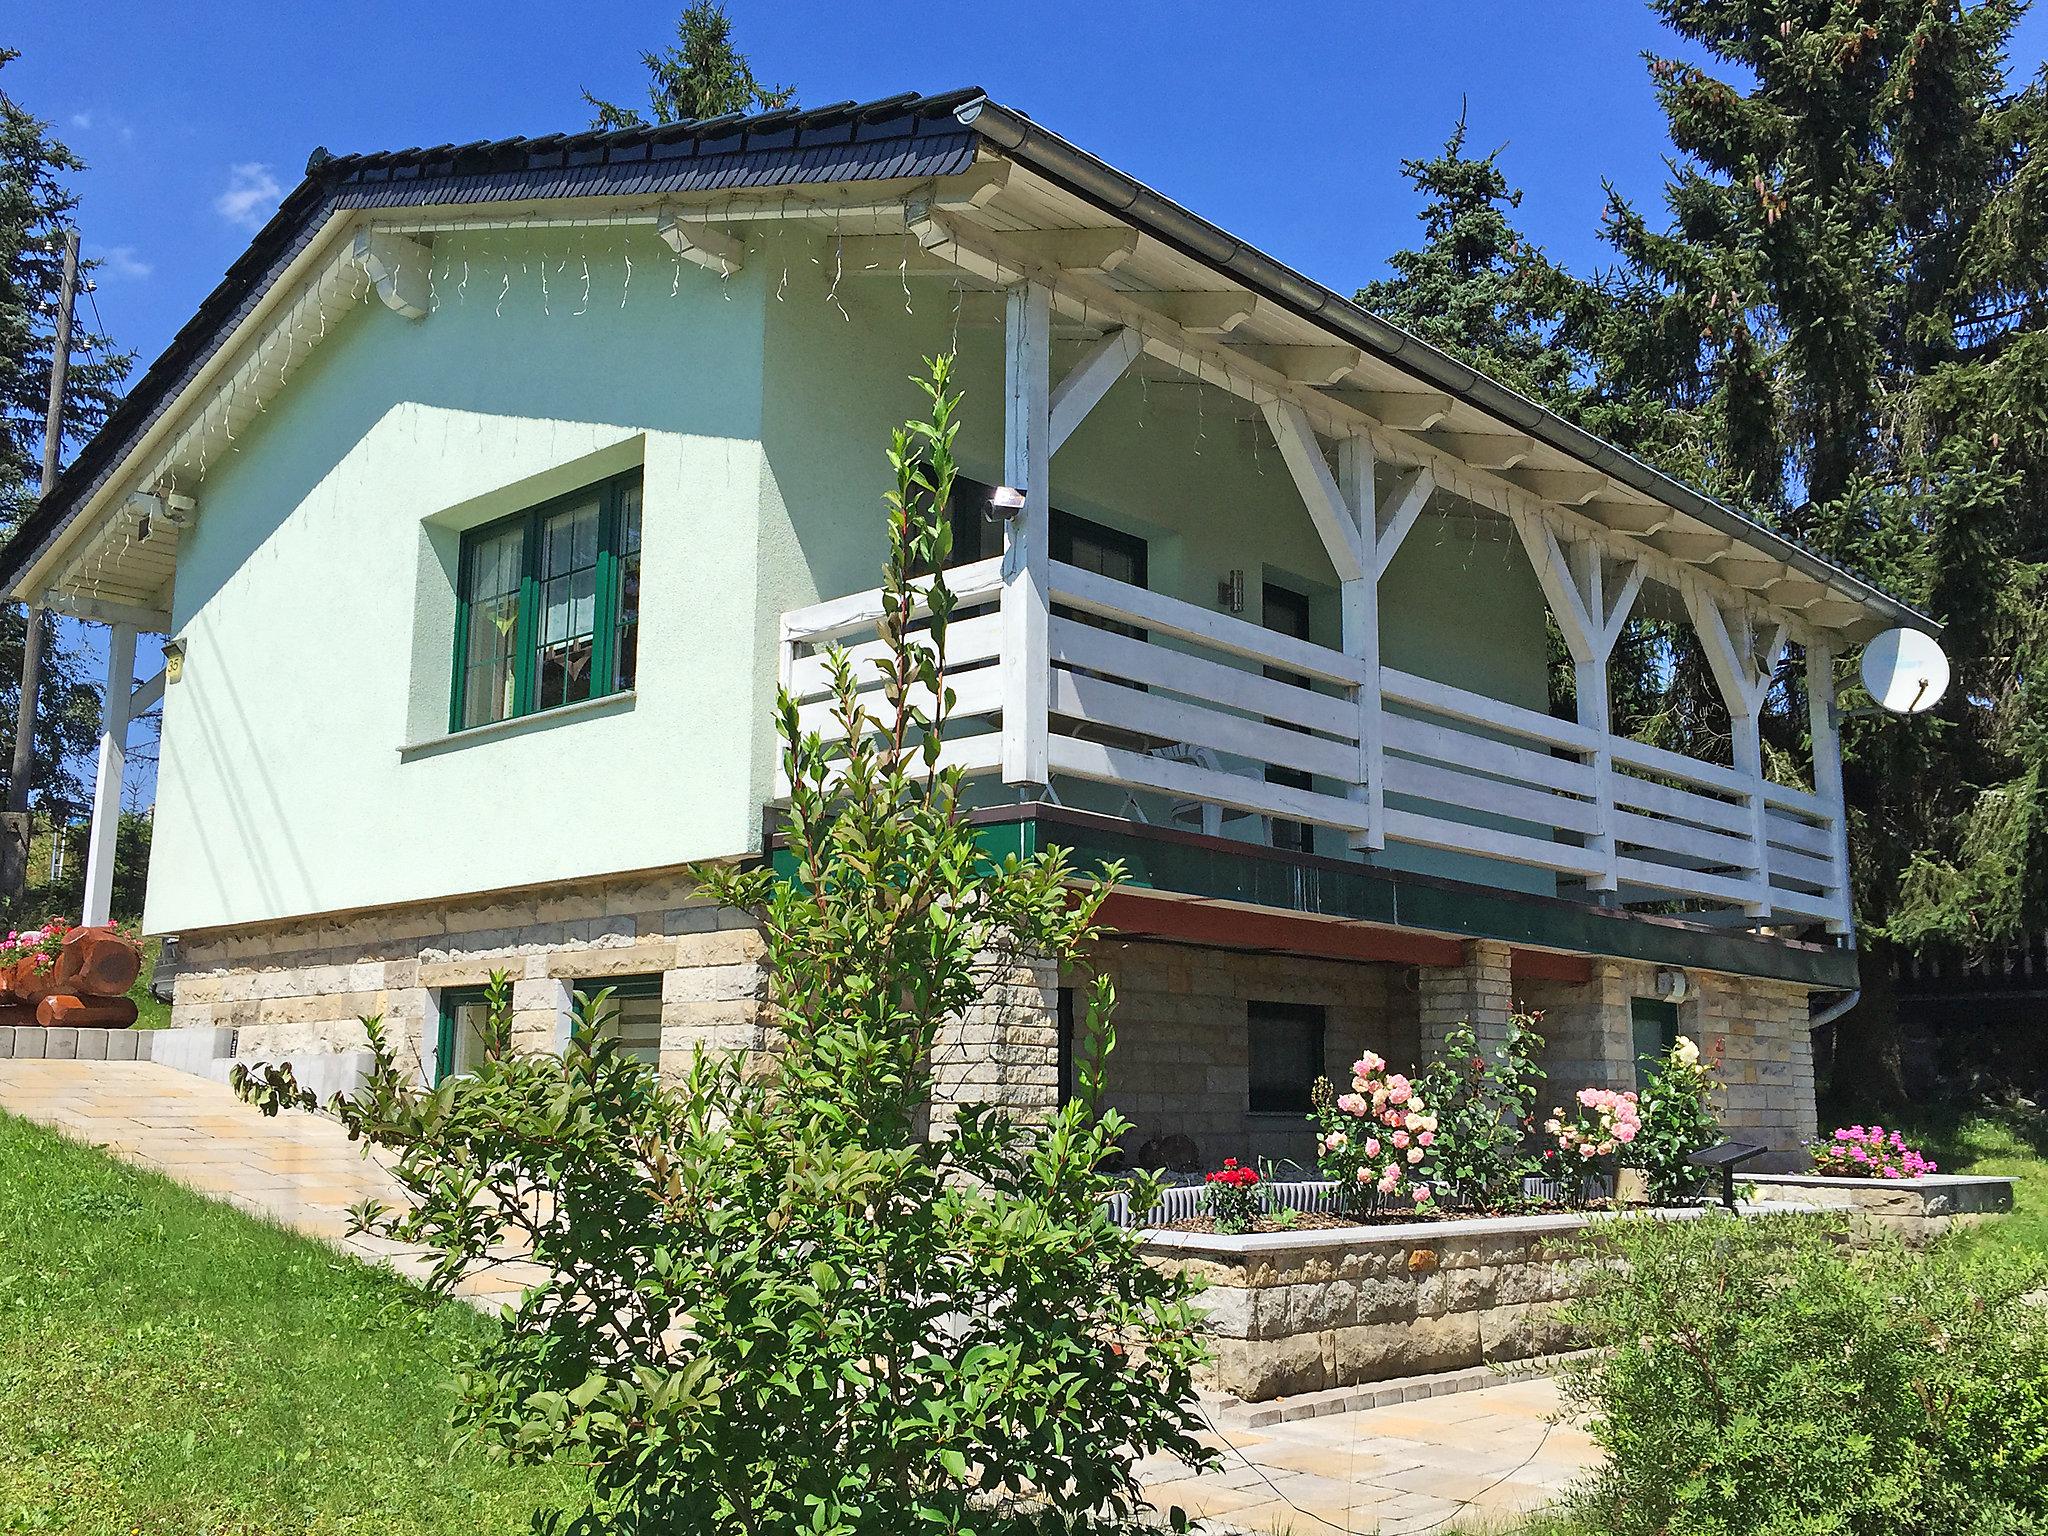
(303, 986)
(1478, 991)
(1182, 1060)
(1756, 1030)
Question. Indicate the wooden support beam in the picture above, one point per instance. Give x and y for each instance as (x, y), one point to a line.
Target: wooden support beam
(1400, 410)
(1629, 518)
(1744, 679)
(1303, 365)
(1027, 548)
(1206, 314)
(147, 695)
(1566, 487)
(1411, 495)
(1485, 450)
(1089, 380)
(112, 768)
(1360, 599)
(1695, 546)
(397, 265)
(988, 255)
(1824, 726)
(1077, 250)
(148, 621)
(700, 244)
(1590, 616)
(1303, 455)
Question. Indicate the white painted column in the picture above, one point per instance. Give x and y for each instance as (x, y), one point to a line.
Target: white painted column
(1745, 682)
(1590, 658)
(1361, 639)
(1027, 536)
(1826, 730)
(115, 712)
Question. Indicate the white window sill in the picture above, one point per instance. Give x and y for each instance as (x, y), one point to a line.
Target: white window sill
(519, 725)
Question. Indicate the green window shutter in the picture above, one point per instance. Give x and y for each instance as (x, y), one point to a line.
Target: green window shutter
(1655, 1026)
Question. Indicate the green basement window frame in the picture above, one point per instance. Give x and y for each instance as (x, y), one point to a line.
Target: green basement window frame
(547, 606)
(1655, 1026)
(459, 1035)
(632, 1014)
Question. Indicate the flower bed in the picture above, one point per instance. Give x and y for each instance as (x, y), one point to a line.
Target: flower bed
(1917, 1209)
(1303, 1311)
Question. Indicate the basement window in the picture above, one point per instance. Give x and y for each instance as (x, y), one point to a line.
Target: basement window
(632, 1014)
(1654, 1025)
(1285, 1053)
(548, 605)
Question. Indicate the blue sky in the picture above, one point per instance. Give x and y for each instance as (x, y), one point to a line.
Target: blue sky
(1284, 122)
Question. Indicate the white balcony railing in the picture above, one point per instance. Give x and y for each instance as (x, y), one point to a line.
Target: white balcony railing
(1215, 723)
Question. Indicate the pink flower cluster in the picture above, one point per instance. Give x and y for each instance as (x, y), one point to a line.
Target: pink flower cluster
(1387, 1150)
(1868, 1152)
(1602, 1124)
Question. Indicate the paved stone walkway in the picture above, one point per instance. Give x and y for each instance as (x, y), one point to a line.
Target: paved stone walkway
(1471, 1459)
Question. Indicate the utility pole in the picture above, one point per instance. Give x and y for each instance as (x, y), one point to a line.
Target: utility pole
(14, 826)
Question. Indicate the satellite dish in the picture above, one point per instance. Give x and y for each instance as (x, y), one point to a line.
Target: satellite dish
(1905, 671)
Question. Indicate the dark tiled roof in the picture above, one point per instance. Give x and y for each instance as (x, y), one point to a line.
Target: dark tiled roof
(909, 135)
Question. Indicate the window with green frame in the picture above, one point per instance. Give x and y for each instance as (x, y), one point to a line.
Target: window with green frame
(1654, 1024)
(548, 605)
(632, 1014)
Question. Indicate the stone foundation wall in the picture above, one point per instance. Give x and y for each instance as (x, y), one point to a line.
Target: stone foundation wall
(1915, 1210)
(298, 987)
(1757, 1028)
(1182, 1066)
(1302, 1312)
(1182, 1062)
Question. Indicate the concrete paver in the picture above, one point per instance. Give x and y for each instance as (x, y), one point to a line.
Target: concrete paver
(1480, 1457)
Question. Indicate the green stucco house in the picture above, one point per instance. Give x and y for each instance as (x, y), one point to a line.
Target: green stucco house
(490, 497)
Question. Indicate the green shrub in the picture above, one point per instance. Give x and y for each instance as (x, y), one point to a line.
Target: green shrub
(1483, 1100)
(775, 1302)
(1760, 1375)
(1678, 1119)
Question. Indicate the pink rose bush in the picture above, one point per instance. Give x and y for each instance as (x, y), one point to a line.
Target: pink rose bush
(1597, 1133)
(1868, 1152)
(1375, 1140)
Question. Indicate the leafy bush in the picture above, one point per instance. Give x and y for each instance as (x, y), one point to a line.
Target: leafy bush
(1231, 1196)
(1373, 1141)
(1482, 1102)
(772, 1301)
(1868, 1152)
(1677, 1119)
(1760, 1375)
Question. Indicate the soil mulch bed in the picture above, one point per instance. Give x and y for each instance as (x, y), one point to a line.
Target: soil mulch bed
(1317, 1221)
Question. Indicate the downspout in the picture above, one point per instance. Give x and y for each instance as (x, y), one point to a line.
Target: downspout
(1835, 1010)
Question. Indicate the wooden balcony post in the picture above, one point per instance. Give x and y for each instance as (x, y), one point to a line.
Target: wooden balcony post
(1361, 637)
(1744, 678)
(1027, 549)
(1575, 586)
(1826, 731)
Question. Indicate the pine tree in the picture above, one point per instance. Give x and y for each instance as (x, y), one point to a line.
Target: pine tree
(35, 205)
(702, 75)
(1848, 299)
(1480, 290)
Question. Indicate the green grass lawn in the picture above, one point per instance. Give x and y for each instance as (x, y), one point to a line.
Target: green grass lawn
(1987, 1139)
(2011, 1143)
(168, 1365)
